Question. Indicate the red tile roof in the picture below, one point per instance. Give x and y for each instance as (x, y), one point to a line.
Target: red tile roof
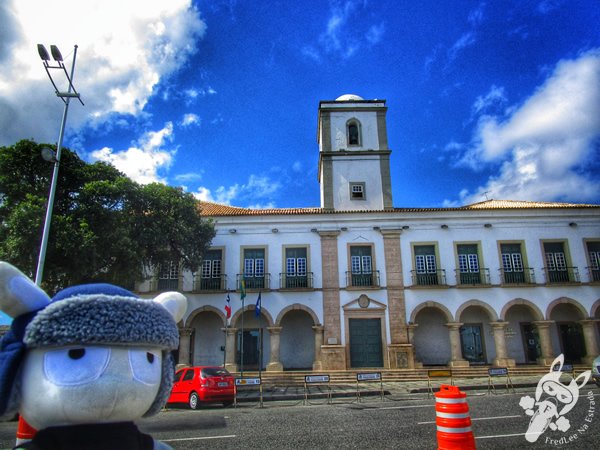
(209, 209)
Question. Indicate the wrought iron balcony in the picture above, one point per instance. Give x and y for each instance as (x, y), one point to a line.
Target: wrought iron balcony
(594, 274)
(166, 284)
(253, 282)
(473, 278)
(362, 279)
(436, 278)
(564, 275)
(203, 284)
(525, 276)
(296, 281)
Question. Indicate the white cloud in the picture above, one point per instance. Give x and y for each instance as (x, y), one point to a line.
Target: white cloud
(493, 99)
(347, 32)
(143, 162)
(125, 48)
(190, 119)
(249, 194)
(545, 144)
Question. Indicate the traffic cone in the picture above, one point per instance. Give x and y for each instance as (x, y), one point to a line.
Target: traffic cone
(452, 419)
(25, 432)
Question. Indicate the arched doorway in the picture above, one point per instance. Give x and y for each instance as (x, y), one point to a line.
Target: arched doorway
(297, 344)
(567, 332)
(253, 342)
(430, 339)
(522, 339)
(477, 344)
(207, 340)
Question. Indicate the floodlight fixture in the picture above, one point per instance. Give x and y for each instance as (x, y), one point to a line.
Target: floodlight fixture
(43, 53)
(58, 58)
(56, 53)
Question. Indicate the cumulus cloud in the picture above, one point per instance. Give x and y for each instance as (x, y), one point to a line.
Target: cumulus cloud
(544, 146)
(124, 50)
(255, 193)
(143, 161)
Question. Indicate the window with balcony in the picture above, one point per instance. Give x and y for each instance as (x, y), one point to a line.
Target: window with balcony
(593, 249)
(469, 271)
(426, 272)
(296, 273)
(513, 269)
(254, 268)
(211, 276)
(557, 268)
(168, 276)
(361, 267)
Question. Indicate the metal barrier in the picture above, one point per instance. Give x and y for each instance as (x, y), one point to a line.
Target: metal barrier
(369, 377)
(438, 373)
(316, 380)
(241, 383)
(495, 372)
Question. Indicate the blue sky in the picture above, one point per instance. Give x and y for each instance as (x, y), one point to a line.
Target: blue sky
(497, 99)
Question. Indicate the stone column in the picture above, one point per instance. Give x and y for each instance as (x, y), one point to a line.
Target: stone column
(318, 364)
(543, 329)
(184, 346)
(591, 343)
(333, 353)
(501, 358)
(411, 340)
(230, 349)
(455, 349)
(274, 363)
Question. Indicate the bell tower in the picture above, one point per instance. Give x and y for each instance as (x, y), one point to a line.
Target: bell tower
(354, 158)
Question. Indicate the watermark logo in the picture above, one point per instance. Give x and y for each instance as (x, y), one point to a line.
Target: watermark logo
(553, 400)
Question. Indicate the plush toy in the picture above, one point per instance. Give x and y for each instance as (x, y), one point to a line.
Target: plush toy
(83, 366)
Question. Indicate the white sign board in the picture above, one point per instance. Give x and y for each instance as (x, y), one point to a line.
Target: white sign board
(375, 376)
(316, 379)
(247, 381)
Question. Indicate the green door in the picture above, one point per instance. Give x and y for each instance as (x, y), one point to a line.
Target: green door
(365, 343)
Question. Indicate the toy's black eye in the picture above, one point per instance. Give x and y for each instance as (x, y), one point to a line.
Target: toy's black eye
(76, 353)
(150, 357)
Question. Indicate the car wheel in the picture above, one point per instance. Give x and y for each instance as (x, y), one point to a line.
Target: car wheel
(193, 401)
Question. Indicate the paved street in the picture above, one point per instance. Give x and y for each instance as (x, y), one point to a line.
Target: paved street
(400, 421)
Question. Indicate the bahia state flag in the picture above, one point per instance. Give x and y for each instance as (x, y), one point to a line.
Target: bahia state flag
(228, 306)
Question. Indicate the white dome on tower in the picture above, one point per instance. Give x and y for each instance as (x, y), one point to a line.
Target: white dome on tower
(348, 97)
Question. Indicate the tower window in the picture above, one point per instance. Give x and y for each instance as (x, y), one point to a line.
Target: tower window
(357, 191)
(353, 132)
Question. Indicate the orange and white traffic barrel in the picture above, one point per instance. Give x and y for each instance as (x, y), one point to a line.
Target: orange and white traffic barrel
(453, 420)
(25, 432)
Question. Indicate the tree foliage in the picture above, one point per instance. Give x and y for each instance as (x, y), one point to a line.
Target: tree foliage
(105, 227)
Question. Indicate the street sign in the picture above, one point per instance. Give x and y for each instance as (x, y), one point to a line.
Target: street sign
(247, 381)
(316, 379)
(498, 371)
(375, 376)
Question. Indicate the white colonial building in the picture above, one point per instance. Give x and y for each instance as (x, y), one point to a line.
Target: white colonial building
(360, 283)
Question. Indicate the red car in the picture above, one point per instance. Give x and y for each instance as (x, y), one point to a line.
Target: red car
(203, 384)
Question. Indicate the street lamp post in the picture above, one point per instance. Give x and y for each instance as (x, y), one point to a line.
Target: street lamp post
(66, 98)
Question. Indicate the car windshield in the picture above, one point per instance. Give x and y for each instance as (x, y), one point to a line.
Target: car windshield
(214, 372)
(178, 376)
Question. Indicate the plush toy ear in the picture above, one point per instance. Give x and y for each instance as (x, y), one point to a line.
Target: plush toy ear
(174, 302)
(18, 294)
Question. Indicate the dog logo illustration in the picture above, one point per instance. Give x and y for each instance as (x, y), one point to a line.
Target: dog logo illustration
(553, 400)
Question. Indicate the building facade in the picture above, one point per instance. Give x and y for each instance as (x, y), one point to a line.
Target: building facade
(358, 283)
